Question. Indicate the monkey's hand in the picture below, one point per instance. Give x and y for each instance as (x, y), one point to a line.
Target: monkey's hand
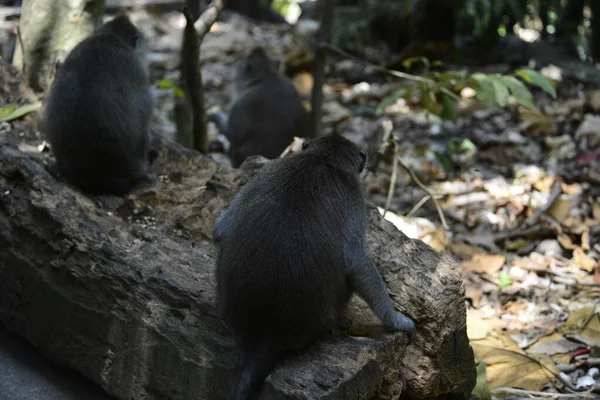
(405, 324)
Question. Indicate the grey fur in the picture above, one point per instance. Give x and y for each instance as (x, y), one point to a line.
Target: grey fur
(292, 250)
(98, 111)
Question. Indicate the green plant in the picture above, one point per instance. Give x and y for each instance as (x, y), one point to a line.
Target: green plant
(439, 91)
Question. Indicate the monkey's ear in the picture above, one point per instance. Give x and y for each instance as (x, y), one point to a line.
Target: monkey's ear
(363, 161)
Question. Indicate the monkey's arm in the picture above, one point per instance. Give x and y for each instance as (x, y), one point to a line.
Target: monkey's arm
(367, 282)
(221, 120)
(222, 225)
(226, 219)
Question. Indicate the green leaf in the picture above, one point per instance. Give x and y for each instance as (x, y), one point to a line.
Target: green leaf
(500, 90)
(536, 79)
(467, 145)
(410, 61)
(519, 91)
(7, 109)
(482, 388)
(389, 100)
(165, 84)
(450, 93)
(429, 100)
(179, 92)
(444, 161)
(448, 111)
(505, 280)
(21, 111)
(437, 63)
(484, 90)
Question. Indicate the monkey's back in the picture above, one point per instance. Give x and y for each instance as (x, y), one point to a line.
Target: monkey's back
(97, 115)
(276, 116)
(281, 271)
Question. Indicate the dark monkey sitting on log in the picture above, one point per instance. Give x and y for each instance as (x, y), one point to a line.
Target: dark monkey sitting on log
(292, 250)
(98, 110)
(265, 113)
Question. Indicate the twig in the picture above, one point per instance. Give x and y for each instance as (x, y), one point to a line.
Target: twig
(208, 17)
(393, 179)
(555, 191)
(426, 190)
(418, 205)
(23, 66)
(386, 127)
(543, 394)
(387, 71)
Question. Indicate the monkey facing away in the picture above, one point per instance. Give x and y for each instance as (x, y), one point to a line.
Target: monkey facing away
(265, 113)
(292, 250)
(98, 111)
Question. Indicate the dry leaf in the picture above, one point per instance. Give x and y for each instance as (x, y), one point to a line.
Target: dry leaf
(572, 189)
(477, 327)
(583, 261)
(561, 208)
(463, 250)
(566, 242)
(473, 293)
(483, 263)
(553, 344)
(577, 318)
(596, 211)
(509, 366)
(537, 121)
(585, 240)
(591, 333)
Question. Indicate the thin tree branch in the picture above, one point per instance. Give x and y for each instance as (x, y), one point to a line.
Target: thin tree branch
(376, 67)
(208, 17)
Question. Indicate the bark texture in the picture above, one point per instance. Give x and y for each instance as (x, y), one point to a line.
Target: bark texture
(122, 290)
(48, 27)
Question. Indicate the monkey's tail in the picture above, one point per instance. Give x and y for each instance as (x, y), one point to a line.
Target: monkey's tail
(257, 366)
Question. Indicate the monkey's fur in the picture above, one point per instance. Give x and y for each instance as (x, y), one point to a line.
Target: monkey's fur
(292, 250)
(265, 113)
(98, 110)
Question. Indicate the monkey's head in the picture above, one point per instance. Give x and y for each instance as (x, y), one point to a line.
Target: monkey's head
(254, 67)
(122, 27)
(338, 149)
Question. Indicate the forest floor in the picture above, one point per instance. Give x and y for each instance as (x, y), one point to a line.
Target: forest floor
(517, 188)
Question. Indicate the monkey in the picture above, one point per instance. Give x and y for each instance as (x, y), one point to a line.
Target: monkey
(291, 252)
(98, 111)
(265, 113)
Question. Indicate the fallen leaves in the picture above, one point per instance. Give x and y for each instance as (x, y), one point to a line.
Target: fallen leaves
(483, 263)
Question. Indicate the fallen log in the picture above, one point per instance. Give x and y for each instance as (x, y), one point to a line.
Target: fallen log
(122, 291)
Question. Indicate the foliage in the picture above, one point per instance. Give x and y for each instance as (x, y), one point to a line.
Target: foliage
(11, 112)
(168, 84)
(281, 6)
(439, 92)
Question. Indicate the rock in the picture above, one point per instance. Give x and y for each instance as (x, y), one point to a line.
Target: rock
(122, 291)
(589, 129)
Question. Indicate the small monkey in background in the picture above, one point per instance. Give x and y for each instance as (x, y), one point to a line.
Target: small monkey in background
(265, 113)
(292, 251)
(98, 111)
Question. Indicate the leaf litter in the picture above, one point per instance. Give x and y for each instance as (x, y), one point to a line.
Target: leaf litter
(518, 188)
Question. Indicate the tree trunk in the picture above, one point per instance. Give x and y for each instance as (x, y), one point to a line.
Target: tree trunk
(123, 291)
(48, 27)
(323, 37)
